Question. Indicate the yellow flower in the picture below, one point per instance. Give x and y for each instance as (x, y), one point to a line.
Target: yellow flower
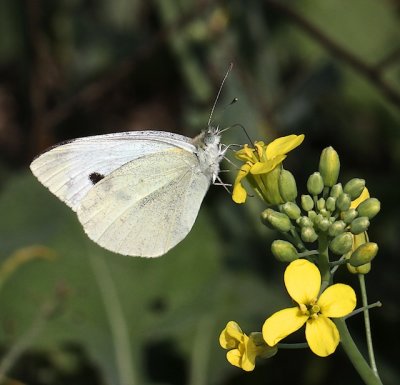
(303, 283)
(243, 349)
(262, 168)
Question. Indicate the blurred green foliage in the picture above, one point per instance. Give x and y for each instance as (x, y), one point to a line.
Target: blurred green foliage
(78, 68)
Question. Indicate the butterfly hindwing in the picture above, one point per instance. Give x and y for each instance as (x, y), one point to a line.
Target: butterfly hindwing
(146, 206)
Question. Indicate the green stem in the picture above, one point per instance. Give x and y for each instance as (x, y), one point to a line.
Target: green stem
(300, 345)
(368, 334)
(356, 358)
(308, 253)
(118, 326)
(361, 309)
(323, 261)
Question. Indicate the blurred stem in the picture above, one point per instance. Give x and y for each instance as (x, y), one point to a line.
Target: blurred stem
(368, 334)
(46, 312)
(356, 358)
(118, 326)
(201, 352)
(373, 74)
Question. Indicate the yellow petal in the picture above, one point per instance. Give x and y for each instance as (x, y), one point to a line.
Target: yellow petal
(303, 281)
(239, 194)
(281, 324)
(231, 335)
(337, 300)
(322, 336)
(364, 195)
(268, 166)
(282, 146)
(249, 356)
(246, 154)
(234, 357)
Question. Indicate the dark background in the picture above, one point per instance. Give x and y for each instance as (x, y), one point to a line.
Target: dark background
(72, 313)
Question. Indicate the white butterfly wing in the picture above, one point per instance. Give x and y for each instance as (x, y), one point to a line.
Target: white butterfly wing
(147, 206)
(65, 169)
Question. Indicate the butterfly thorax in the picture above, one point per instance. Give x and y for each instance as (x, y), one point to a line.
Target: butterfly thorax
(209, 151)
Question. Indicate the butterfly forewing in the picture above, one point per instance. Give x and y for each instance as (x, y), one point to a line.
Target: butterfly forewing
(71, 169)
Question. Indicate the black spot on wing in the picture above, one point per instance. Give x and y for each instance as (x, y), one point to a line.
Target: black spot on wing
(95, 177)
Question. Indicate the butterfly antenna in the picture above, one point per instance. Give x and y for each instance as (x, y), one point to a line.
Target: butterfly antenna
(218, 94)
(240, 126)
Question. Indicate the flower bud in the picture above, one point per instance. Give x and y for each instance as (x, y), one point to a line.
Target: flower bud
(354, 187)
(336, 228)
(312, 215)
(363, 269)
(359, 225)
(307, 202)
(342, 243)
(308, 234)
(291, 210)
(329, 166)
(276, 220)
(363, 254)
(287, 186)
(323, 224)
(321, 204)
(315, 184)
(336, 190)
(343, 202)
(349, 215)
(330, 204)
(369, 208)
(284, 251)
(304, 222)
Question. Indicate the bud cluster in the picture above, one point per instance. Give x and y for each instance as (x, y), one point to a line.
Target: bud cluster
(340, 214)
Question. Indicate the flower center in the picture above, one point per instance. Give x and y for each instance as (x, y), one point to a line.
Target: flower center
(311, 309)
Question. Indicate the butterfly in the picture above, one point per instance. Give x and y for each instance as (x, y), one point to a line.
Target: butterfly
(135, 193)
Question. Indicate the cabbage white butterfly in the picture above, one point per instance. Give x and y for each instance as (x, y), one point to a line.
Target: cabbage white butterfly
(135, 193)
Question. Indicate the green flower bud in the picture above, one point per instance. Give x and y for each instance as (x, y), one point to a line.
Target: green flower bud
(323, 224)
(336, 190)
(363, 254)
(308, 234)
(343, 202)
(284, 251)
(287, 186)
(325, 213)
(363, 269)
(359, 225)
(304, 222)
(330, 204)
(312, 215)
(276, 220)
(291, 210)
(307, 202)
(329, 166)
(349, 215)
(369, 208)
(315, 184)
(336, 228)
(342, 243)
(321, 204)
(354, 187)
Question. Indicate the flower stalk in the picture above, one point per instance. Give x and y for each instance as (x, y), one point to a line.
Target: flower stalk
(324, 229)
(364, 370)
